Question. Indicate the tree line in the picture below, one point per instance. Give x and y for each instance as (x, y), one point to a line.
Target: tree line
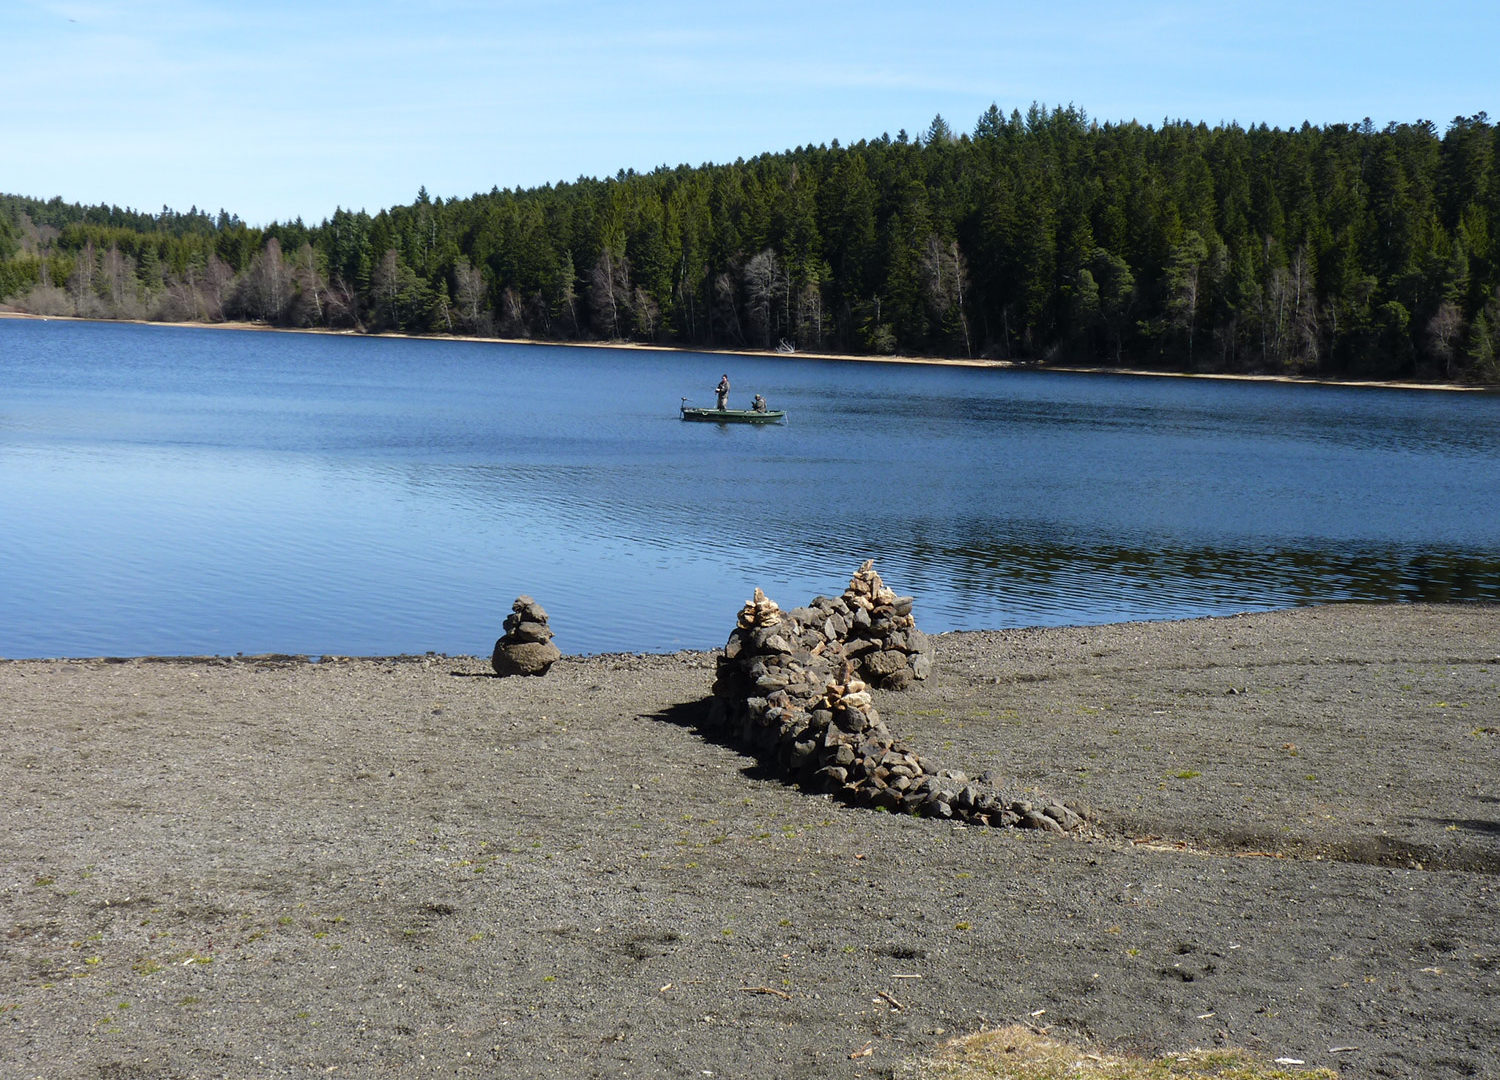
(1342, 251)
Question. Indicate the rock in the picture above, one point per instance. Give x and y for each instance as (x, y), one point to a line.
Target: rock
(883, 663)
(803, 755)
(528, 607)
(933, 806)
(1063, 816)
(1034, 820)
(517, 630)
(859, 647)
(899, 679)
(775, 643)
(524, 658)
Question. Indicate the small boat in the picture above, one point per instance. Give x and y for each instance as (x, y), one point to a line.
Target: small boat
(733, 416)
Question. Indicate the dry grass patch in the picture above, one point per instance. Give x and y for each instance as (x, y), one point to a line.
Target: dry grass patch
(1018, 1053)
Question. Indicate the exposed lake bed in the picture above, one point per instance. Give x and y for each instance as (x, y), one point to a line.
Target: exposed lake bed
(261, 866)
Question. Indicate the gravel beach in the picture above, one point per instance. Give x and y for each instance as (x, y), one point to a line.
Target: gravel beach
(267, 867)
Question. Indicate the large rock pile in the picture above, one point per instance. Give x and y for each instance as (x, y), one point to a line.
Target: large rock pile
(876, 629)
(526, 647)
(790, 687)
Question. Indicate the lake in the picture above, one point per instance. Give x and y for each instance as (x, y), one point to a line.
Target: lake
(192, 491)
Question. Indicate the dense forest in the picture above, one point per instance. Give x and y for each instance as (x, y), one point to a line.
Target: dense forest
(1341, 251)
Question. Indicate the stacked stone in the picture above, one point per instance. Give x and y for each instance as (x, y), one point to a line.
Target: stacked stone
(768, 656)
(787, 689)
(526, 647)
(859, 760)
(875, 629)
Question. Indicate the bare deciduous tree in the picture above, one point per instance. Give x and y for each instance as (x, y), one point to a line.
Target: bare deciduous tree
(308, 307)
(609, 293)
(512, 317)
(342, 302)
(386, 288)
(469, 296)
(218, 281)
(81, 281)
(1444, 331)
(946, 278)
(763, 278)
(119, 278)
(647, 314)
(266, 290)
(810, 315)
(1290, 319)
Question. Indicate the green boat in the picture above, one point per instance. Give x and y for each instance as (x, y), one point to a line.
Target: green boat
(733, 416)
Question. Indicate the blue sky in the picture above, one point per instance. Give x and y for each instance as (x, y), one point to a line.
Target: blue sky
(276, 109)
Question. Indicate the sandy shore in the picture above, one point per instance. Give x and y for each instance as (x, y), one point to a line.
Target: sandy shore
(263, 867)
(931, 361)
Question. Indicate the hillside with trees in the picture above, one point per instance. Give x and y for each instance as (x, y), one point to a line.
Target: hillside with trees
(1343, 251)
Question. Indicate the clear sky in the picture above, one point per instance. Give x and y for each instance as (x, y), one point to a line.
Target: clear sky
(275, 109)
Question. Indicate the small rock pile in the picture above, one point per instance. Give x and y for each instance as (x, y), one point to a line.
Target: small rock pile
(789, 687)
(526, 647)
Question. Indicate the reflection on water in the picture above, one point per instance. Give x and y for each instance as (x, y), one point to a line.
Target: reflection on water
(183, 491)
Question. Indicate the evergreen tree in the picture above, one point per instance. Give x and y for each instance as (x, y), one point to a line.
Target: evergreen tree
(1040, 235)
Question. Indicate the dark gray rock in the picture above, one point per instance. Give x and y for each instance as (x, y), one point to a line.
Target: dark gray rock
(518, 630)
(524, 658)
(884, 662)
(899, 679)
(1063, 816)
(526, 606)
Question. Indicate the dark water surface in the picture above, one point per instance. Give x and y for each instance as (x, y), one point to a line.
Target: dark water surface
(172, 491)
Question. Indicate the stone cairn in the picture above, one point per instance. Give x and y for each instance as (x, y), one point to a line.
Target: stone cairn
(526, 647)
(794, 687)
(877, 630)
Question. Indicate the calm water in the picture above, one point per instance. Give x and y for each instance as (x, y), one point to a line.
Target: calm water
(176, 491)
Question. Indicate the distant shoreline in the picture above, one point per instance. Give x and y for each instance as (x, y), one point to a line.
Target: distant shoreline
(925, 361)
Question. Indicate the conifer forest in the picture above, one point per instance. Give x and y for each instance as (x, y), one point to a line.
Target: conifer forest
(1344, 251)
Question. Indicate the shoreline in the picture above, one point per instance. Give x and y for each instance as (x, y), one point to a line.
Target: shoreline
(707, 655)
(921, 361)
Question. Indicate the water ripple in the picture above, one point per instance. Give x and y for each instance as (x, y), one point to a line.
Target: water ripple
(183, 492)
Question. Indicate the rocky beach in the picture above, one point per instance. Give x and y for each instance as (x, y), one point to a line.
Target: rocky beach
(274, 867)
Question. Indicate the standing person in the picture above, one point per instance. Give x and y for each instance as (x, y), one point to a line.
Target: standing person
(723, 391)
